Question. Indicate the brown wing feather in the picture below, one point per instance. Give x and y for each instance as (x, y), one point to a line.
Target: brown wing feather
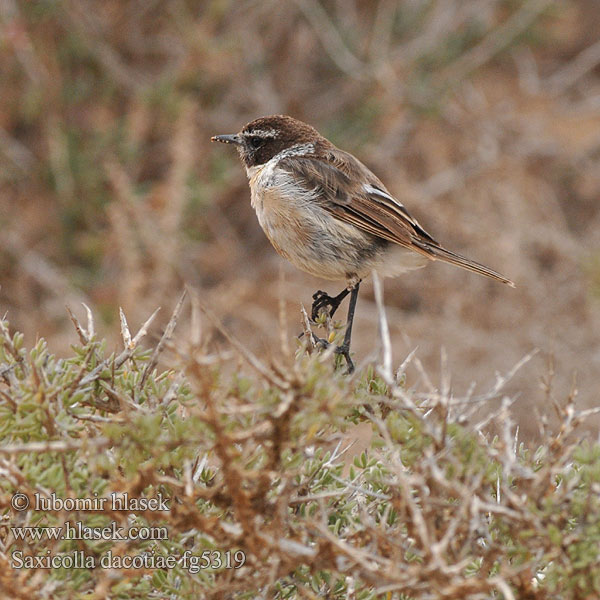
(338, 182)
(351, 192)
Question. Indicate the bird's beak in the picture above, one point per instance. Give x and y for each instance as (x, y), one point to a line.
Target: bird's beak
(227, 139)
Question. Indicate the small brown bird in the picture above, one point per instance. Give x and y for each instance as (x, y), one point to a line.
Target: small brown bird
(329, 215)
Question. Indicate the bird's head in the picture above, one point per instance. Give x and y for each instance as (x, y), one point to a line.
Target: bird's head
(262, 139)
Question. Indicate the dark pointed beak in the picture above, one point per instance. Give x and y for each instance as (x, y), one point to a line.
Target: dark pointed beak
(227, 139)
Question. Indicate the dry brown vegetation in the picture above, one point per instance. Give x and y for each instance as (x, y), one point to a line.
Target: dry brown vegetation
(263, 481)
(483, 117)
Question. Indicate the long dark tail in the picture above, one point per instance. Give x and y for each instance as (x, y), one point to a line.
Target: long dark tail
(439, 253)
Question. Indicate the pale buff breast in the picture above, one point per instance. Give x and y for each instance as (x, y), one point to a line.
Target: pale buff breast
(312, 239)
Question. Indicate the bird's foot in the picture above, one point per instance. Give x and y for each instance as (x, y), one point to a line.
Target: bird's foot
(322, 300)
(343, 350)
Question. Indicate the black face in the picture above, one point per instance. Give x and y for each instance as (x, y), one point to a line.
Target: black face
(260, 143)
(262, 139)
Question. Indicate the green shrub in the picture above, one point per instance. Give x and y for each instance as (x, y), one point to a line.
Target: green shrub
(266, 495)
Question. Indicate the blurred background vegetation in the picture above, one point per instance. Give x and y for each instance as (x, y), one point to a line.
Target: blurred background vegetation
(483, 116)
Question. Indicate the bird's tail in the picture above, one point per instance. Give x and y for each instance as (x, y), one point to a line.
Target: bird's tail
(436, 252)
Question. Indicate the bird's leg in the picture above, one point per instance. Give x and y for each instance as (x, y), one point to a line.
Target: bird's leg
(323, 300)
(344, 349)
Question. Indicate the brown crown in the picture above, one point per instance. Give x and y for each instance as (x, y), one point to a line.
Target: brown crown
(262, 139)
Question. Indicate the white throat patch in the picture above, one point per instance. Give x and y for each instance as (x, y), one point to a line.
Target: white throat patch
(267, 168)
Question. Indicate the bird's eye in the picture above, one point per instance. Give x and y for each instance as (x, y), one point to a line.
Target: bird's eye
(256, 142)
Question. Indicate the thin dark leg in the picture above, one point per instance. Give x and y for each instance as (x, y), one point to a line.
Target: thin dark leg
(344, 349)
(323, 300)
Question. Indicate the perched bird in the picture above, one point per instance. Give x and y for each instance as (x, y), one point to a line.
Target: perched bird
(329, 215)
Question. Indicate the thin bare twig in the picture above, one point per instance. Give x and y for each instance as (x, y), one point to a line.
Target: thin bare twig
(56, 446)
(568, 75)
(166, 336)
(125, 329)
(496, 41)
(331, 39)
(384, 330)
(250, 358)
(83, 337)
(121, 358)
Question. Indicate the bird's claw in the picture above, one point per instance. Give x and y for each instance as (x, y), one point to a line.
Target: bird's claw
(342, 350)
(322, 300)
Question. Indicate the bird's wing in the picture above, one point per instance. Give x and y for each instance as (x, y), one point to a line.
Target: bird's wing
(352, 193)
